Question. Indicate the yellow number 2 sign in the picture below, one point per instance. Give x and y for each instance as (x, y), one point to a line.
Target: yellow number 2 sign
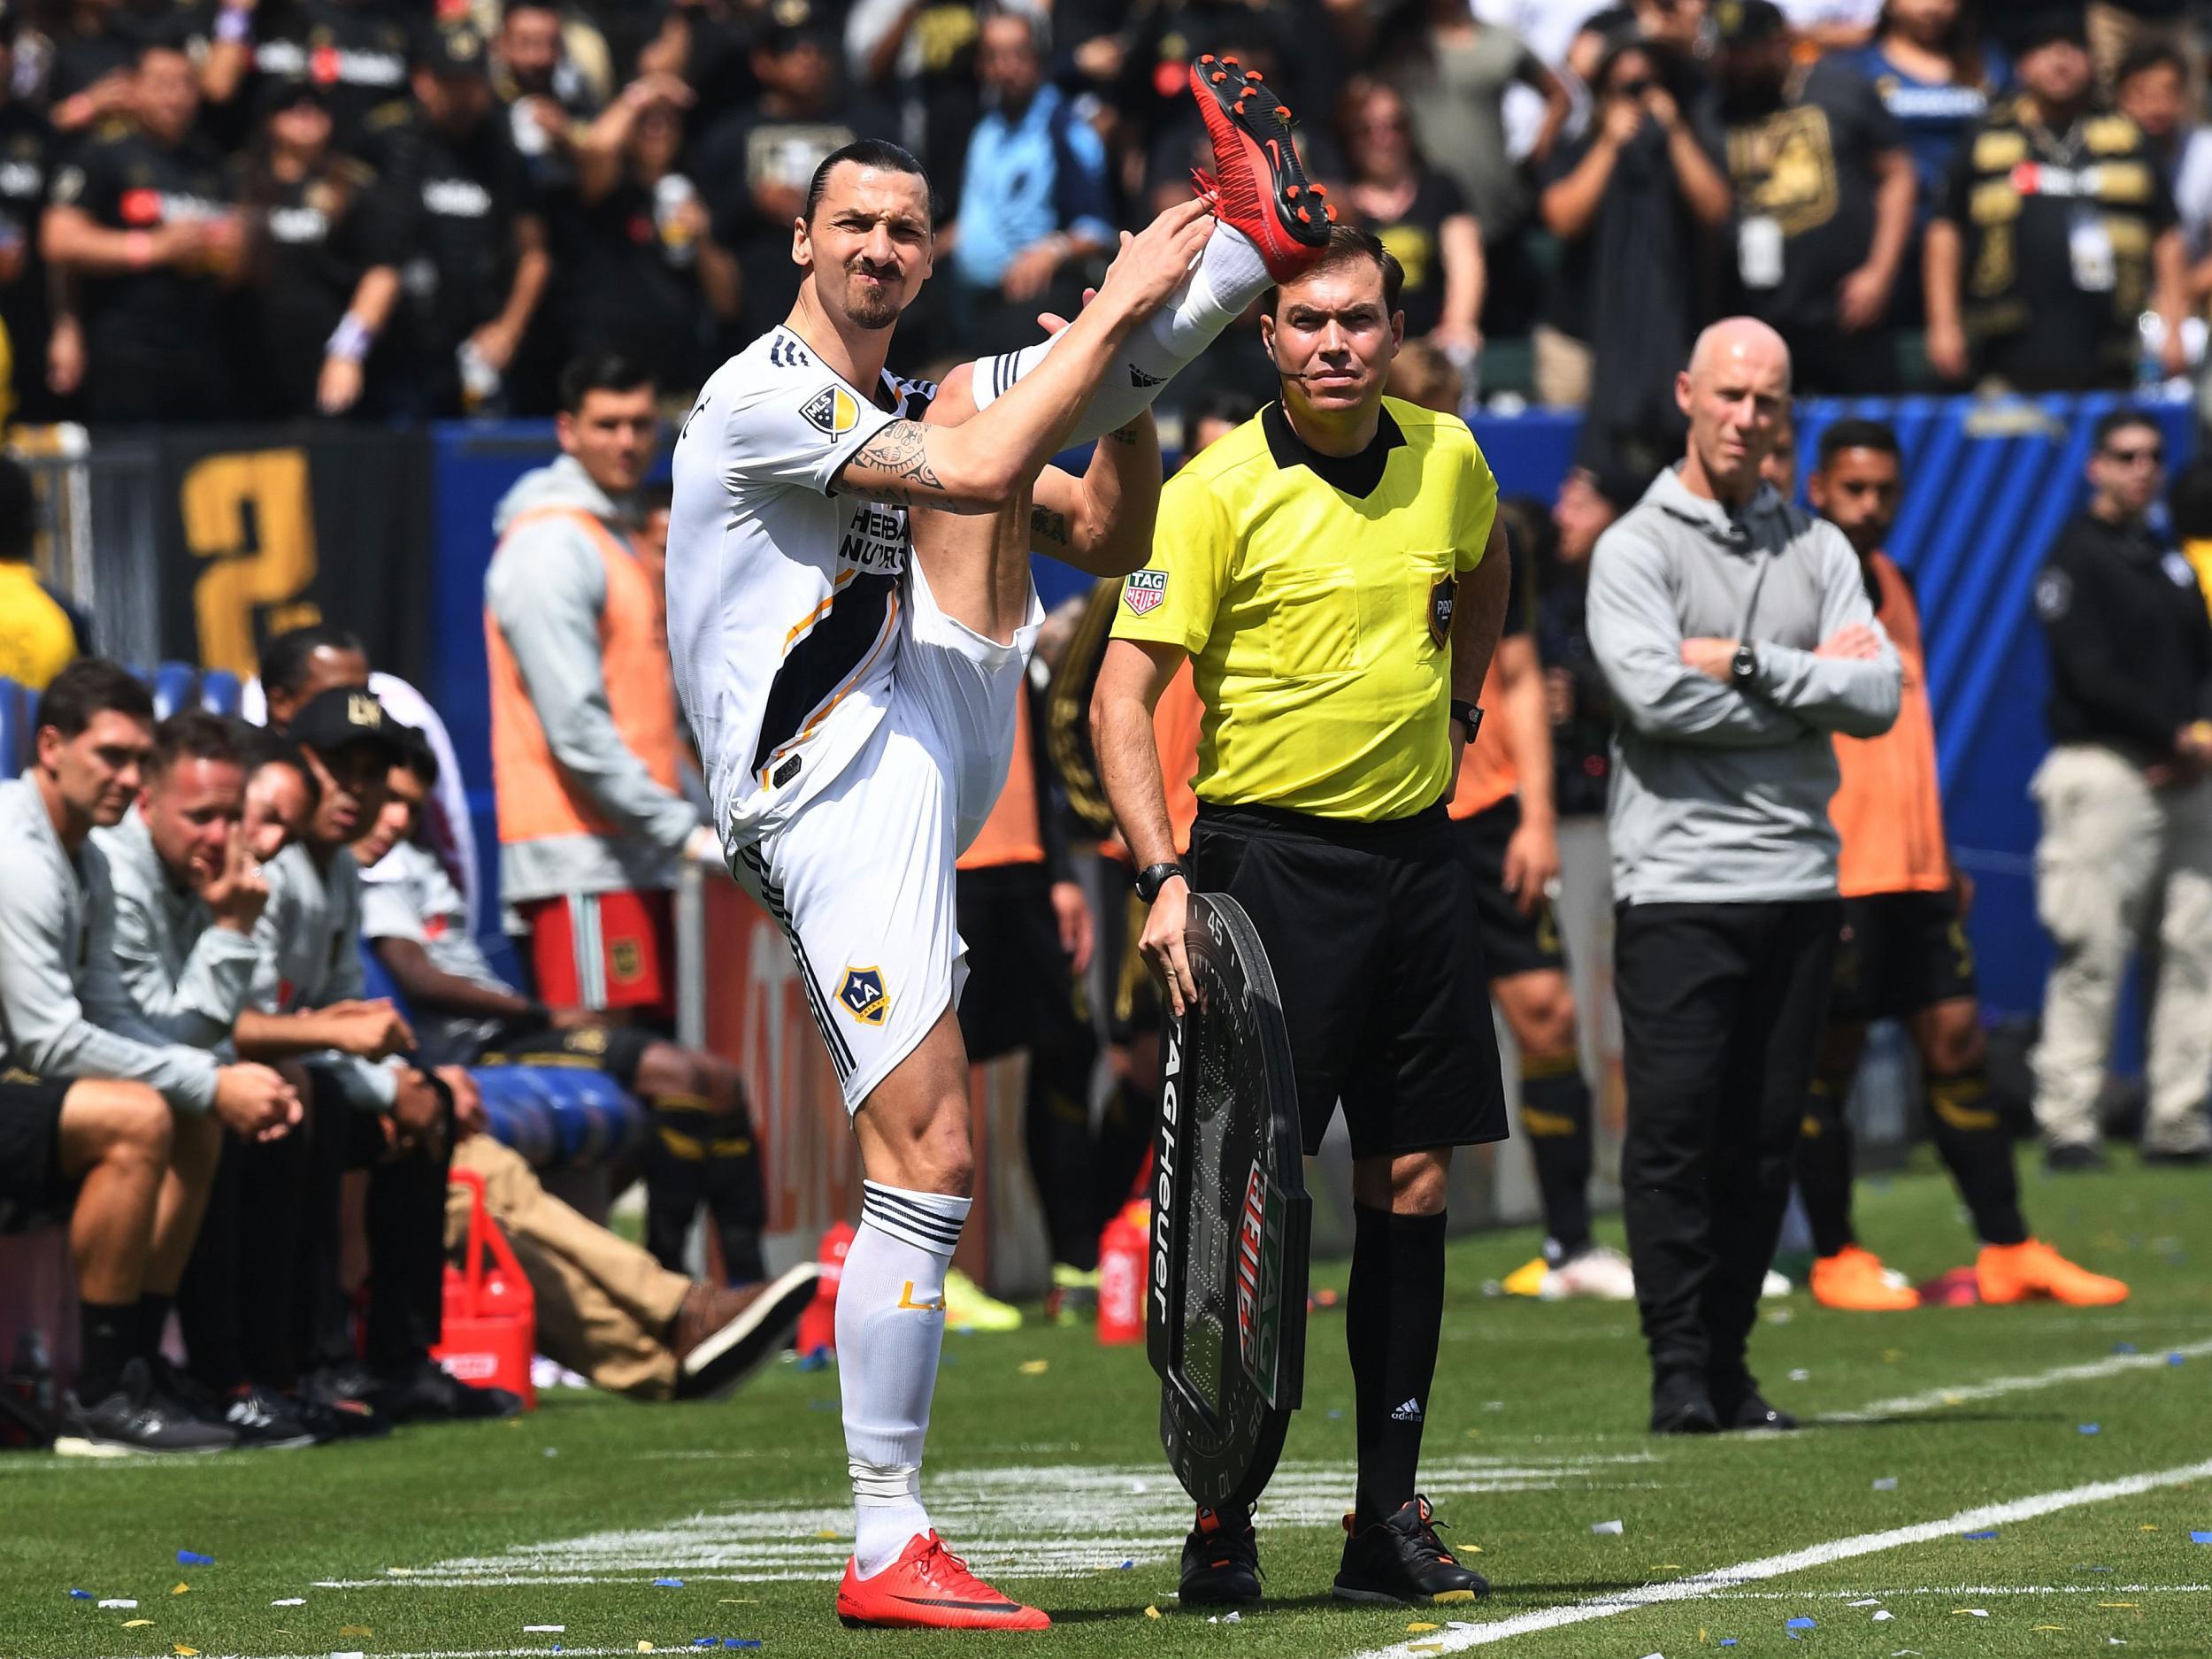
(250, 516)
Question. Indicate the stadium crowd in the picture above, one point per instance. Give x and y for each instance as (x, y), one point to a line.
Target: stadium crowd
(384, 209)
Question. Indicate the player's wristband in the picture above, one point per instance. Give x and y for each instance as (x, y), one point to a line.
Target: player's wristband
(233, 25)
(1469, 715)
(1152, 878)
(350, 340)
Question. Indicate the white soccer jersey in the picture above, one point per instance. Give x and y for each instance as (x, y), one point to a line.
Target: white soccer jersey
(784, 599)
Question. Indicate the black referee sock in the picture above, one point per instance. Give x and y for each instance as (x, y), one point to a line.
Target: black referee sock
(1394, 1314)
(107, 1341)
(1556, 1117)
(1970, 1138)
(1822, 1164)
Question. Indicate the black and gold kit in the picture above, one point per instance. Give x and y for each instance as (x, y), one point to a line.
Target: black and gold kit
(2057, 228)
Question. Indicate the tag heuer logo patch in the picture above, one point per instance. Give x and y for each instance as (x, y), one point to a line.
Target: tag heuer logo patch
(1144, 590)
(830, 412)
(861, 994)
(1442, 597)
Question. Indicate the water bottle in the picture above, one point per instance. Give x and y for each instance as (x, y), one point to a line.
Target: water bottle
(479, 381)
(1122, 1250)
(673, 193)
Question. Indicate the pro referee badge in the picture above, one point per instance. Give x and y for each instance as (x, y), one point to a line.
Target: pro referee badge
(1144, 591)
(861, 994)
(830, 412)
(1442, 597)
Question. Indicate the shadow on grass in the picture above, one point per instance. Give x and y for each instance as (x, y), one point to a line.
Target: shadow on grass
(1521, 1591)
(1922, 1419)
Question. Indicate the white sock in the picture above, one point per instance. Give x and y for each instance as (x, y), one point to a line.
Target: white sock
(1229, 276)
(890, 1325)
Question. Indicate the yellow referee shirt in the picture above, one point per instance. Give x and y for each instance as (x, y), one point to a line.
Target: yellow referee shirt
(1313, 593)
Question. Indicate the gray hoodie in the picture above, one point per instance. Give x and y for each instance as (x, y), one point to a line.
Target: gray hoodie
(308, 950)
(63, 1010)
(545, 590)
(190, 977)
(1720, 795)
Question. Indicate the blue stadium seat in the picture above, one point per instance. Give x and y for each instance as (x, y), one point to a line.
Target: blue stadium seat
(219, 691)
(16, 708)
(176, 686)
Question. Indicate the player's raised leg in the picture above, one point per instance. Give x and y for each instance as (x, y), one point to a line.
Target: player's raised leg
(1272, 223)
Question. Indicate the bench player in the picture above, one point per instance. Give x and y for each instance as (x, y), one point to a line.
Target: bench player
(852, 691)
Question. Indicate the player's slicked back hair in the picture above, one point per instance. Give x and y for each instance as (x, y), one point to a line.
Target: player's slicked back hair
(862, 152)
(91, 685)
(1349, 244)
(590, 372)
(1839, 436)
(284, 658)
(194, 734)
(2122, 420)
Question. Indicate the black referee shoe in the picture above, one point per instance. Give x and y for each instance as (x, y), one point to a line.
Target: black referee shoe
(1680, 1404)
(1738, 1404)
(1401, 1559)
(1221, 1561)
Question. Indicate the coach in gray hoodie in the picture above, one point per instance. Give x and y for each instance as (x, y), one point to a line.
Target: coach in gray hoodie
(1735, 632)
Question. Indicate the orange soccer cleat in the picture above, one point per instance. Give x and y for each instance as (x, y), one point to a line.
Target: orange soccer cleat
(2017, 1272)
(1259, 185)
(929, 1588)
(1854, 1281)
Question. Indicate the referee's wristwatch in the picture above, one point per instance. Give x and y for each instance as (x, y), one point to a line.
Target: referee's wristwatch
(1469, 715)
(1152, 878)
(1743, 667)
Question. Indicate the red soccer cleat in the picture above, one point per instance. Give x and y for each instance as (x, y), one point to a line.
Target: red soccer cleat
(1260, 184)
(929, 1588)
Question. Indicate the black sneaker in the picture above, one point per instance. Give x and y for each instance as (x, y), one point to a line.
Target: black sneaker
(266, 1421)
(1221, 1561)
(175, 1383)
(2179, 1158)
(1680, 1404)
(340, 1419)
(136, 1418)
(351, 1382)
(1403, 1560)
(2074, 1157)
(427, 1394)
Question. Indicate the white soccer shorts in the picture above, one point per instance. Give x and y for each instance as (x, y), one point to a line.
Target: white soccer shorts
(860, 878)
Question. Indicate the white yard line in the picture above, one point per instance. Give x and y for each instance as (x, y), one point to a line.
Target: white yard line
(1703, 1584)
(1966, 1393)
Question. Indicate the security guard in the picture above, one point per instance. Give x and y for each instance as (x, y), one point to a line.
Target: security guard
(2054, 232)
(1308, 565)
(2126, 852)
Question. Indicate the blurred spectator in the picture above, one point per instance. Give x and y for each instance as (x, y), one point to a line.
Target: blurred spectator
(754, 165)
(41, 630)
(549, 99)
(478, 264)
(28, 153)
(584, 731)
(2055, 230)
(1551, 28)
(2153, 93)
(1833, 26)
(1634, 199)
(1824, 205)
(1042, 173)
(2126, 851)
(356, 50)
(1936, 76)
(920, 56)
(1418, 212)
(637, 268)
(2117, 30)
(1421, 373)
(143, 232)
(1454, 75)
(1214, 417)
(1779, 468)
(91, 50)
(1575, 694)
(322, 261)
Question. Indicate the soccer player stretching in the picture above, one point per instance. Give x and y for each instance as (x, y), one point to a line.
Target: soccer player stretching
(855, 706)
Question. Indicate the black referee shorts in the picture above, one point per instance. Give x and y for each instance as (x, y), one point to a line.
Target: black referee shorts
(1901, 953)
(33, 1189)
(1382, 982)
(1021, 993)
(1513, 940)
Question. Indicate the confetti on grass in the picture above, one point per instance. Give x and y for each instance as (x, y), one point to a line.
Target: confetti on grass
(1606, 1529)
(2196, 1537)
(193, 1558)
(179, 1588)
(81, 1595)
(1986, 1534)
(668, 1584)
(119, 1601)
(290, 1600)
(1800, 1623)
(136, 1623)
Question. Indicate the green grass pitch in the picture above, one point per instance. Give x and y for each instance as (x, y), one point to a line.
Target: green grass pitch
(1045, 1468)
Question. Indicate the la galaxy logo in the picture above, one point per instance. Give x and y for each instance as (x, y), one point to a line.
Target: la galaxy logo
(1144, 590)
(862, 996)
(830, 412)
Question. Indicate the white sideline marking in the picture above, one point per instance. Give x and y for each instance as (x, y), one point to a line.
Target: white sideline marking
(1959, 1589)
(1964, 1393)
(1690, 1589)
(540, 1652)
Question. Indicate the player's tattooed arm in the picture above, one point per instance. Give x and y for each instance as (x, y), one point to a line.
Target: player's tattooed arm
(895, 466)
(1045, 525)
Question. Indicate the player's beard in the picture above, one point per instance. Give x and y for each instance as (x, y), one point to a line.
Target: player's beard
(871, 306)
